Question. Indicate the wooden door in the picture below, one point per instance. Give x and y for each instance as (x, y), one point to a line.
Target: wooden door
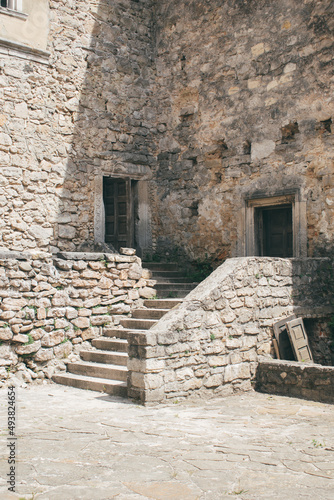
(299, 340)
(283, 339)
(277, 231)
(118, 212)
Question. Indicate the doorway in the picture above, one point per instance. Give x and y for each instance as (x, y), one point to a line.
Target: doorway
(119, 198)
(274, 231)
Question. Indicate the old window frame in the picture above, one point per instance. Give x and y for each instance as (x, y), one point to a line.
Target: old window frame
(299, 226)
(13, 8)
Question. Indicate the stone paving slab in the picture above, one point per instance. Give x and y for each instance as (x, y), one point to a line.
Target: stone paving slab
(74, 444)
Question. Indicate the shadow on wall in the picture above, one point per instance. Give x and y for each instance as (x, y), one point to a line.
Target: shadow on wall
(108, 73)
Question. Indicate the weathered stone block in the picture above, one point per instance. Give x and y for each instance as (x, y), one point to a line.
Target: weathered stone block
(21, 338)
(6, 334)
(81, 322)
(213, 380)
(53, 338)
(99, 320)
(43, 355)
(62, 350)
(147, 292)
(28, 349)
(239, 371)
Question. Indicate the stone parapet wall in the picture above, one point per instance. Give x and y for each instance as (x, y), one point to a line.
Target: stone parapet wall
(50, 306)
(210, 344)
(297, 380)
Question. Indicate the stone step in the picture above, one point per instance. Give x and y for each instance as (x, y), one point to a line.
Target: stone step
(161, 266)
(162, 303)
(171, 279)
(113, 387)
(174, 290)
(169, 274)
(175, 286)
(153, 313)
(120, 333)
(138, 324)
(125, 332)
(99, 370)
(173, 293)
(108, 357)
(119, 345)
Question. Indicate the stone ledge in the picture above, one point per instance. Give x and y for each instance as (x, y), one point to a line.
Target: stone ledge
(81, 255)
(314, 312)
(9, 254)
(295, 379)
(23, 51)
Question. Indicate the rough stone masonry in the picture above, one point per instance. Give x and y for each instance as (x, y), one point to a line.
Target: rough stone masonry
(207, 109)
(52, 307)
(210, 104)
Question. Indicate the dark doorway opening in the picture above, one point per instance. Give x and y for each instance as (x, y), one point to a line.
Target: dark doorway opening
(274, 231)
(120, 201)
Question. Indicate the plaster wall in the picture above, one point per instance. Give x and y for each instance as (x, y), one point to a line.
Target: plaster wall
(29, 29)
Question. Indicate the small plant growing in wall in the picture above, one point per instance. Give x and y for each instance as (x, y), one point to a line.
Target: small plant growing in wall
(30, 340)
(212, 336)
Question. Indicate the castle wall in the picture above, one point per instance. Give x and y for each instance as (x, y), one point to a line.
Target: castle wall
(71, 115)
(226, 95)
(246, 108)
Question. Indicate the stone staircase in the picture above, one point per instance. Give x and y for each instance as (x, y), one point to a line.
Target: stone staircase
(105, 369)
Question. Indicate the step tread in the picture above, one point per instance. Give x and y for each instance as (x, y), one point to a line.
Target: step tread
(124, 332)
(93, 364)
(140, 322)
(111, 344)
(137, 319)
(153, 302)
(86, 378)
(167, 265)
(108, 353)
(151, 309)
(113, 339)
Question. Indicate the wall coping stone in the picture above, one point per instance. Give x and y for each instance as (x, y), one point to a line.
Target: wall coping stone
(295, 379)
(81, 255)
(283, 363)
(8, 254)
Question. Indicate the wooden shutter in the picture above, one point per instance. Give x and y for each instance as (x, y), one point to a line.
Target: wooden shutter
(299, 340)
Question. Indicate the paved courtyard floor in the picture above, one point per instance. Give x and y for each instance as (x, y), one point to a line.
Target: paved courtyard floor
(75, 444)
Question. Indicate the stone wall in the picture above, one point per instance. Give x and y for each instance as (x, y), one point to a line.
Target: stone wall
(50, 307)
(225, 94)
(210, 344)
(246, 109)
(296, 380)
(84, 114)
